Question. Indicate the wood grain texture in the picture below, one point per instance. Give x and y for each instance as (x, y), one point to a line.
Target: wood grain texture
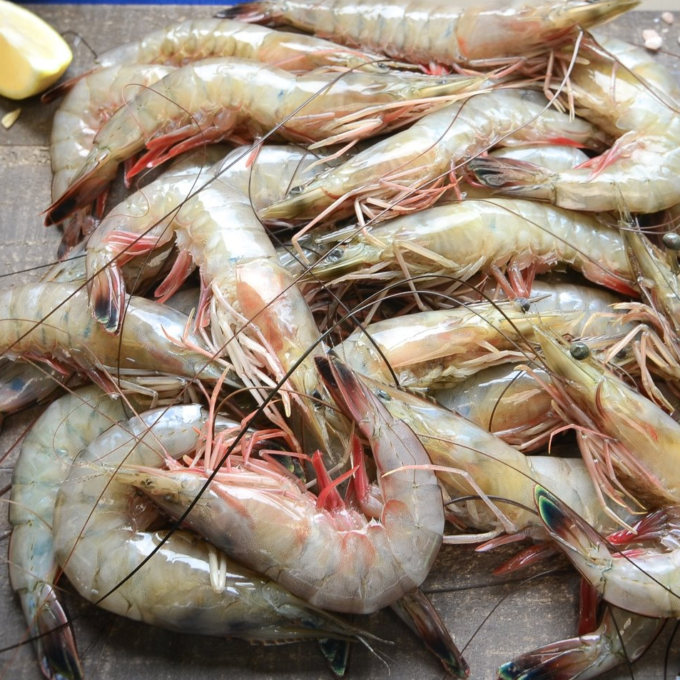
(495, 622)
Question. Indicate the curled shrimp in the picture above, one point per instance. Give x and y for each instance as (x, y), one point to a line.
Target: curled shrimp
(52, 322)
(439, 33)
(187, 585)
(467, 237)
(642, 579)
(410, 165)
(66, 427)
(327, 553)
(217, 99)
(638, 101)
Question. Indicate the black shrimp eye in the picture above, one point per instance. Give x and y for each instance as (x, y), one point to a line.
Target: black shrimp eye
(383, 395)
(671, 240)
(316, 395)
(523, 303)
(579, 350)
(335, 254)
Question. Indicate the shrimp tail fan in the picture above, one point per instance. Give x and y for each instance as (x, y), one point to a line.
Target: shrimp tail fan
(418, 613)
(252, 13)
(516, 178)
(52, 634)
(582, 544)
(97, 173)
(61, 89)
(336, 653)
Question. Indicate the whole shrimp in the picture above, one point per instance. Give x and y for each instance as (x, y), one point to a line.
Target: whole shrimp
(359, 565)
(216, 99)
(411, 164)
(643, 578)
(258, 315)
(52, 322)
(467, 237)
(635, 99)
(440, 347)
(187, 585)
(621, 638)
(439, 33)
(66, 427)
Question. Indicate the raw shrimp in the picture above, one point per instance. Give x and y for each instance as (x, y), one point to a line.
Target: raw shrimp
(482, 235)
(187, 585)
(638, 101)
(418, 158)
(552, 156)
(443, 33)
(257, 313)
(332, 557)
(441, 347)
(649, 439)
(643, 580)
(621, 638)
(48, 450)
(197, 39)
(52, 322)
(486, 466)
(216, 99)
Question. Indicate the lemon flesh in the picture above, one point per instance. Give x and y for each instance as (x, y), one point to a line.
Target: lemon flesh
(33, 55)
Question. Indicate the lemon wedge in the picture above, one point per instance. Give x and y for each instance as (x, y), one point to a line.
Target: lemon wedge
(33, 55)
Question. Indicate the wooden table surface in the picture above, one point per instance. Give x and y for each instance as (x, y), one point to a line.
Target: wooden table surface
(492, 621)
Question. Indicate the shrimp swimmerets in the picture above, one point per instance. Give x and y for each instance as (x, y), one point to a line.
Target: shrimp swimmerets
(47, 452)
(624, 91)
(335, 557)
(440, 33)
(187, 585)
(216, 99)
(417, 159)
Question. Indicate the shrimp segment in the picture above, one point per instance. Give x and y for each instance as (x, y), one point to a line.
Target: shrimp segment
(216, 99)
(425, 32)
(337, 560)
(187, 585)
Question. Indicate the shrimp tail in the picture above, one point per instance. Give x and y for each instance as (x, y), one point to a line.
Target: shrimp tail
(107, 298)
(52, 634)
(518, 178)
(336, 653)
(252, 13)
(417, 612)
(96, 175)
(62, 89)
(581, 543)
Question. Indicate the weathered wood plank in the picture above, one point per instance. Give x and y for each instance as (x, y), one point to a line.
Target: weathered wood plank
(533, 614)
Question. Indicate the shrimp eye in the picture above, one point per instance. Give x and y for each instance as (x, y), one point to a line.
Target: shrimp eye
(671, 240)
(523, 303)
(335, 254)
(383, 395)
(295, 191)
(579, 350)
(316, 395)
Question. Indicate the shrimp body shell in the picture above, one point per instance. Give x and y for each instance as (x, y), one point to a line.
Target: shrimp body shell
(424, 32)
(53, 320)
(336, 560)
(198, 39)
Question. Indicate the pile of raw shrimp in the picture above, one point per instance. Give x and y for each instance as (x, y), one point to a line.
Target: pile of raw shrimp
(284, 373)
